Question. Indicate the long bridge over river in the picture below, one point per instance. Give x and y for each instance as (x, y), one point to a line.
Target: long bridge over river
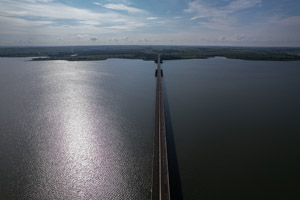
(160, 171)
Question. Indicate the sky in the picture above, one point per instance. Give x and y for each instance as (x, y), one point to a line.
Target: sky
(150, 22)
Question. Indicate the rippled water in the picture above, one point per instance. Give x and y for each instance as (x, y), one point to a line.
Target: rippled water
(76, 130)
(84, 130)
(236, 127)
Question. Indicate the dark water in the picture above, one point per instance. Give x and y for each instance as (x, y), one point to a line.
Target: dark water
(236, 127)
(84, 130)
(76, 130)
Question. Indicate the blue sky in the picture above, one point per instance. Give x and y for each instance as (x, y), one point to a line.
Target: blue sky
(150, 22)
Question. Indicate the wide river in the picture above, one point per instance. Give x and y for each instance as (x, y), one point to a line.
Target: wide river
(84, 130)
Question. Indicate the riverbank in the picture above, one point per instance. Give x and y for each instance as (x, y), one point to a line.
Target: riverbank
(91, 53)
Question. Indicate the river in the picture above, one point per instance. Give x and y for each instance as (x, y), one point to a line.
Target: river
(84, 130)
(236, 127)
(76, 130)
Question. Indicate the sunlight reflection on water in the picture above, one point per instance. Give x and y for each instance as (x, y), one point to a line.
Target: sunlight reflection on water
(74, 130)
(84, 153)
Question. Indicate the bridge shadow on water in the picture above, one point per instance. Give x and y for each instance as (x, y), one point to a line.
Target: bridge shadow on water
(174, 175)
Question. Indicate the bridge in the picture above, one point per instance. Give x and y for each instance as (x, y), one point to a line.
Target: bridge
(160, 171)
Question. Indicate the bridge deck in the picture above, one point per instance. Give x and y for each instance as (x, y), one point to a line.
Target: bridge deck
(160, 172)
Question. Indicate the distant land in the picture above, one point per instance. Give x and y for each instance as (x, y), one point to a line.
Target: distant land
(87, 53)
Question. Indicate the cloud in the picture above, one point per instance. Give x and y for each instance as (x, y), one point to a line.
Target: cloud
(23, 22)
(57, 11)
(51, 11)
(120, 7)
(203, 22)
(94, 39)
(58, 14)
(223, 38)
(40, 19)
(144, 40)
(201, 9)
(240, 37)
(283, 31)
(79, 36)
(224, 23)
(36, 1)
(152, 18)
(127, 2)
(219, 17)
(237, 5)
(97, 3)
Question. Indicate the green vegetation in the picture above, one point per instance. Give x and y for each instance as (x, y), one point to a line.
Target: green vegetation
(85, 53)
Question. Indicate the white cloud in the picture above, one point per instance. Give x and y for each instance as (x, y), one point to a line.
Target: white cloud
(31, 21)
(51, 20)
(212, 18)
(36, 1)
(152, 18)
(240, 37)
(97, 3)
(121, 7)
(58, 11)
(283, 31)
(79, 36)
(241, 5)
(52, 11)
(201, 9)
(127, 2)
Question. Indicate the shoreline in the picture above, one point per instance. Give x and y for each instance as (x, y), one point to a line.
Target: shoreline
(149, 53)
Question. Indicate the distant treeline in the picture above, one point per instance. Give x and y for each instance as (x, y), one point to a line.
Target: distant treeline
(81, 53)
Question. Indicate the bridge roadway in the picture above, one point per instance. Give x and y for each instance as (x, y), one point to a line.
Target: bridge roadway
(160, 172)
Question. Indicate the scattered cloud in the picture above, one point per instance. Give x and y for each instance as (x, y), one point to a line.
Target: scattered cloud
(152, 18)
(48, 19)
(54, 11)
(223, 38)
(193, 22)
(82, 36)
(94, 39)
(202, 9)
(36, 1)
(97, 3)
(218, 17)
(120, 7)
(237, 5)
(240, 37)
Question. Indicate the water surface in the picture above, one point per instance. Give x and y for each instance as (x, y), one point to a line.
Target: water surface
(76, 130)
(84, 130)
(236, 127)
